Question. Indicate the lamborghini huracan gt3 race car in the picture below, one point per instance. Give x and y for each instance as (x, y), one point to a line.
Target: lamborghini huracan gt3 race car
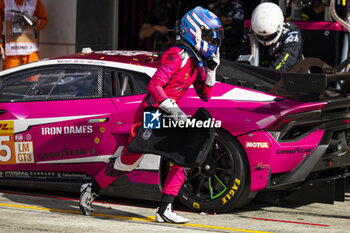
(281, 134)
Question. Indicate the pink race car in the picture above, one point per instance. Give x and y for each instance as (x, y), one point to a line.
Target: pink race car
(63, 118)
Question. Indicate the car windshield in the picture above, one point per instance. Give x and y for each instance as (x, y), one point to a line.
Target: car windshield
(50, 83)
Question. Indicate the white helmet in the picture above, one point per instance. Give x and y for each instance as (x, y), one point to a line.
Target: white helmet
(267, 23)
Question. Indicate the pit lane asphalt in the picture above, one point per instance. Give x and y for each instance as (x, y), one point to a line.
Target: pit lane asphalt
(23, 211)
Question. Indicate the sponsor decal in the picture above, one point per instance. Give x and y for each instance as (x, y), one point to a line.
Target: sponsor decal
(257, 145)
(24, 174)
(231, 193)
(21, 137)
(147, 134)
(42, 174)
(126, 53)
(64, 153)
(292, 37)
(71, 175)
(171, 58)
(157, 120)
(29, 137)
(18, 137)
(296, 150)
(196, 205)
(6, 127)
(84, 129)
(52, 174)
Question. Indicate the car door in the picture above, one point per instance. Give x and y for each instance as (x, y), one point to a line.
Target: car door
(129, 89)
(56, 118)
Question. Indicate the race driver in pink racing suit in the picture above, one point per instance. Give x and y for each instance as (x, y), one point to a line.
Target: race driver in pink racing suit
(193, 60)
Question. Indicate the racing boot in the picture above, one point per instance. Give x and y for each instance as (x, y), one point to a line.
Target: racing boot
(87, 196)
(167, 215)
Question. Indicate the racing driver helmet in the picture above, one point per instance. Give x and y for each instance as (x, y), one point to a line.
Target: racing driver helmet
(267, 23)
(202, 29)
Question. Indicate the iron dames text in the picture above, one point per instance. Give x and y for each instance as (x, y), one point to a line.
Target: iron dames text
(67, 130)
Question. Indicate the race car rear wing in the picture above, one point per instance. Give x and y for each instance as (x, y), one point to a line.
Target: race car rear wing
(298, 84)
(330, 83)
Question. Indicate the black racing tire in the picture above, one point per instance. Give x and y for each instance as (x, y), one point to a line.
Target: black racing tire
(222, 183)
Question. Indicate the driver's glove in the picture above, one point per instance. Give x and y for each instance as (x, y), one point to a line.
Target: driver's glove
(212, 64)
(170, 107)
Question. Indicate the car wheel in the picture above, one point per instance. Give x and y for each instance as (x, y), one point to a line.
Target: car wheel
(222, 183)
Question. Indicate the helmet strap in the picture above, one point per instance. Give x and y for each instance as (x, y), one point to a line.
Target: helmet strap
(195, 54)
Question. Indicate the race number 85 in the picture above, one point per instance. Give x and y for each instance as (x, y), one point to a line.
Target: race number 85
(5, 150)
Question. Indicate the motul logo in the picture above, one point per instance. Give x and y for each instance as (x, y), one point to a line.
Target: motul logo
(258, 145)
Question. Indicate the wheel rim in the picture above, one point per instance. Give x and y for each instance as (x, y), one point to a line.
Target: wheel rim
(214, 177)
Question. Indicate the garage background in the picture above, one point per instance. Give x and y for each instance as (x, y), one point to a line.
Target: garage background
(115, 24)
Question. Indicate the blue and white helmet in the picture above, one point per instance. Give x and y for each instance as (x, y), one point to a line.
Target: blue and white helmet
(202, 29)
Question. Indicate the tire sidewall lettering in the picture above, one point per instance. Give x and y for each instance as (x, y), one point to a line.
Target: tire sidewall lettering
(231, 191)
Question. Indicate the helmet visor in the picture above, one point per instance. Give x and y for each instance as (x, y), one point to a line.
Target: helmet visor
(266, 38)
(213, 36)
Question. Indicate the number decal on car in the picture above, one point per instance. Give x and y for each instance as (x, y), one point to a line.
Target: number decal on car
(12, 152)
(5, 150)
(6, 142)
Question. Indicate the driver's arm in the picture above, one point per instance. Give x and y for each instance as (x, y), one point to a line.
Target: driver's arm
(289, 55)
(203, 90)
(169, 64)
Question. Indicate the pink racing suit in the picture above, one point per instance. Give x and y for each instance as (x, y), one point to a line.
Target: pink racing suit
(177, 71)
